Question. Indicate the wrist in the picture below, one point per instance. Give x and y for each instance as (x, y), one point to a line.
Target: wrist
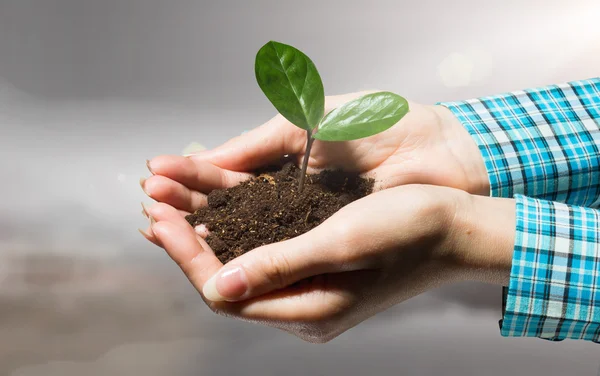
(482, 236)
(465, 150)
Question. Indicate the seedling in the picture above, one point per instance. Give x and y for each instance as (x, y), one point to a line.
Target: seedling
(292, 83)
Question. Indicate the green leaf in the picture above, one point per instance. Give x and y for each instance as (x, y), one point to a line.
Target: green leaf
(292, 83)
(362, 117)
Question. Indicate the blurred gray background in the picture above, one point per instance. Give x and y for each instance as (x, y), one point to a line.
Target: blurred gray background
(90, 89)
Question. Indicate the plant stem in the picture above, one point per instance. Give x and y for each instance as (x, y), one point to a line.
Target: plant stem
(309, 142)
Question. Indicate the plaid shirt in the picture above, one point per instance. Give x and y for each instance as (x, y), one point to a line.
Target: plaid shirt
(544, 143)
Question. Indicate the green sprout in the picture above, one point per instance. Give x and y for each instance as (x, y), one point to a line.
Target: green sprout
(292, 83)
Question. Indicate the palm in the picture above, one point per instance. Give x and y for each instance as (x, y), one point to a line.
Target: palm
(419, 149)
(408, 153)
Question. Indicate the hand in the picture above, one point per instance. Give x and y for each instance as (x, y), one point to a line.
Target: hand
(428, 146)
(372, 254)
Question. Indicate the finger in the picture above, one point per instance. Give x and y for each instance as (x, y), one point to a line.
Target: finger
(165, 190)
(258, 147)
(318, 299)
(278, 265)
(196, 174)
(183, 246)
(146, 210)
(162, 212)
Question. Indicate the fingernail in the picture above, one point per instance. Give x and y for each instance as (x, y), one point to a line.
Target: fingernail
(142, 184)
(145, 234)
(150, 234)
(145, 211)
(149, 168)
(227, 285)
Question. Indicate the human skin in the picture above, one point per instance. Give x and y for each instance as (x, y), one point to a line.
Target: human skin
(428, 224)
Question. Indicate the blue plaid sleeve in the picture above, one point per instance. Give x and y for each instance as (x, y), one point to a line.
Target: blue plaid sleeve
(554, 289)
(541, 143)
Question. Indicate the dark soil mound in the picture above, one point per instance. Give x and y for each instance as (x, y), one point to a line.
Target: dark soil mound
(269, 209)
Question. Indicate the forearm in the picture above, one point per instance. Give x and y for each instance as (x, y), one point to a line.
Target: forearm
(483, 235)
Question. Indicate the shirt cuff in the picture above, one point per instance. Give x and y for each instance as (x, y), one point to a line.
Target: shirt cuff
(542, 143)
(554, 288)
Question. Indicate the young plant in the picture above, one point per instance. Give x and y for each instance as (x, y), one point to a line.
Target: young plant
(292, 83)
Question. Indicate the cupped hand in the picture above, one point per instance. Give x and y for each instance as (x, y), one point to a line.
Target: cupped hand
(321, 283)
(428, 146)
(372, 254)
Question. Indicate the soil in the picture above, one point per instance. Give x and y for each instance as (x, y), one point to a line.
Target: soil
(269, 208)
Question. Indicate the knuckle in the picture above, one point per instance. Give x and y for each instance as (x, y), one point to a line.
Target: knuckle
(276, 126)
(224, 179)
(317, 333)
(159, 209)
(345, 233)
(430, 204)
(278, 269)
(219, 310)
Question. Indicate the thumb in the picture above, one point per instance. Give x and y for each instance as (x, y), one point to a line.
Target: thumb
(258, 147)
(275, 266)
(267, 143)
